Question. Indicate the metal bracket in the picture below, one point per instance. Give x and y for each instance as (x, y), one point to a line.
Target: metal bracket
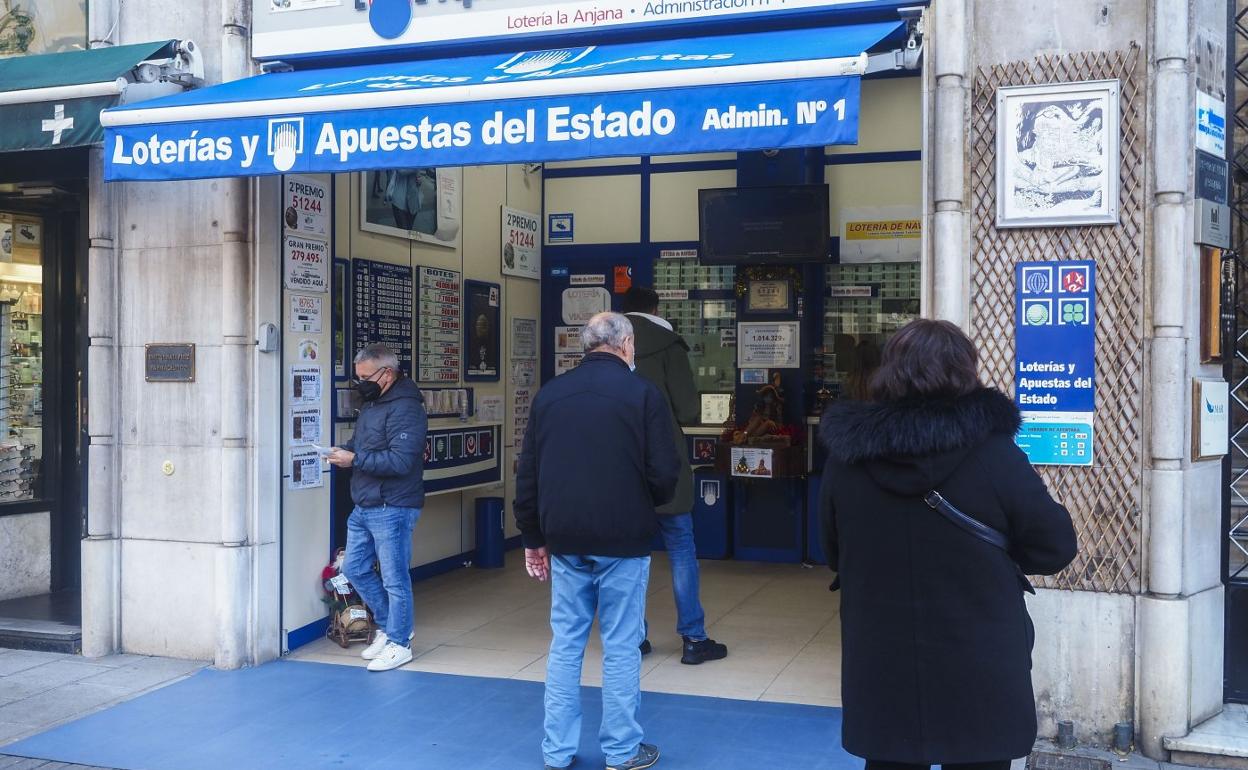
(185, 68)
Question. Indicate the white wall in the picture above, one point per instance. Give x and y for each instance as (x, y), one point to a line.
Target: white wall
(447, 524)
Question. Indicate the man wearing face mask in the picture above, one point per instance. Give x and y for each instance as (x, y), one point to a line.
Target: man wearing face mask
(598, 458)
(386, 455)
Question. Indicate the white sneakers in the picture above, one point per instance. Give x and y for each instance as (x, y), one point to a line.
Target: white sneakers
(379, 643)
(384, 654)
(392, 656)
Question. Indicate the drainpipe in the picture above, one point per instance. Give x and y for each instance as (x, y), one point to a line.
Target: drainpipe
(101, 565)
(234, 569)
(950, 261)
(1164, 660)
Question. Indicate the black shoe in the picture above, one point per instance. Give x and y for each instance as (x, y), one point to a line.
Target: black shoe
(645, 647)
(701, 652)
(647, 756)
(565, 767)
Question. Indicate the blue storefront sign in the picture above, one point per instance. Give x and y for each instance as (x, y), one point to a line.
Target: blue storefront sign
(784, 88)
(1055, 363)
(809, 113)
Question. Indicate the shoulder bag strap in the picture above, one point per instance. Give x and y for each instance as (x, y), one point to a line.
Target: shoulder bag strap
(973, 526)
(978, 529)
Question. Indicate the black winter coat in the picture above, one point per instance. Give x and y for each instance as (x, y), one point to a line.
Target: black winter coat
(936, 655)
(663, 358)
(598, 458)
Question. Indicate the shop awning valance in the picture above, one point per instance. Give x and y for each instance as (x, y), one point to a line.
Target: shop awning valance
(54, 100)
(774, 89)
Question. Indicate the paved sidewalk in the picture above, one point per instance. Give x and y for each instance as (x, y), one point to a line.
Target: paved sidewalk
(40, 690)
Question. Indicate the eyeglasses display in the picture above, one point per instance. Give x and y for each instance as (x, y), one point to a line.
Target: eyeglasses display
(21, 375)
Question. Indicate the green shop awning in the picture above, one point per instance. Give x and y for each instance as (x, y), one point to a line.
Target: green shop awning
(54, 100)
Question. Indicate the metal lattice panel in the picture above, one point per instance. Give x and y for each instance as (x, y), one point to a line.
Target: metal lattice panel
(1105, 500)
(1237, 366)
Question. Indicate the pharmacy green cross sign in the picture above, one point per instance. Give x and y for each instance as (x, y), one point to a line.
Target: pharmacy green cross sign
(52, 125)
(53, 101)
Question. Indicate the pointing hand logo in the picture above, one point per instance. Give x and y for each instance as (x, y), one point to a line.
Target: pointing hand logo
(285, 142)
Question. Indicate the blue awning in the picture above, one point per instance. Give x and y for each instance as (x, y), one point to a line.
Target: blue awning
(791, 88)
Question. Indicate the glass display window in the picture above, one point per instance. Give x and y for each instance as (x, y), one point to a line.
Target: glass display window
(864, 305)
(698, 302)
(21, 357)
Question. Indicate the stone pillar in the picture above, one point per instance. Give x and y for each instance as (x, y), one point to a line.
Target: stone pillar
(233, 564)
(101, 632)
(949, 298)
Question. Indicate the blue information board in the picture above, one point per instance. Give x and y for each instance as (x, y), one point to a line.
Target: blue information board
(383, 307)
(1055, 364)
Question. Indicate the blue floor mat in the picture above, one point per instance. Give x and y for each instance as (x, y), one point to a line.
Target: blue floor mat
(315, 715)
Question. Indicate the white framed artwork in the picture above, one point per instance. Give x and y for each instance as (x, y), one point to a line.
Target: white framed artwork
(1057, 154)
(421, 204)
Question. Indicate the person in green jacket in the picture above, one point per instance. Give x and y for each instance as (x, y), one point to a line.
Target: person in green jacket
(663, 358)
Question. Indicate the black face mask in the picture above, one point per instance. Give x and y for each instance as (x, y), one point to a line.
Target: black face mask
(368, 390)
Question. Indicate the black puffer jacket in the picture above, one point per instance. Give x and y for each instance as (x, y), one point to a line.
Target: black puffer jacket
(389, 446)
(936, 638)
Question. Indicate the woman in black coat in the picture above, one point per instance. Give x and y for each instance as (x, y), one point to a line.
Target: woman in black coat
(936, 655)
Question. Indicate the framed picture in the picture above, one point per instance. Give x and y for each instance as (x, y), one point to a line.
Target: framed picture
(482, 307)
(704, 450)
(769, 296)
(340, 305)
(421, 204)
(1057, 154)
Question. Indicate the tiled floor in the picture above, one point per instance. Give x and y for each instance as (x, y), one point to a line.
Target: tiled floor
(779, 621)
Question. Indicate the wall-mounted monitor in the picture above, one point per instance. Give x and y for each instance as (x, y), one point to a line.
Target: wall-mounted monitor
(762, 225)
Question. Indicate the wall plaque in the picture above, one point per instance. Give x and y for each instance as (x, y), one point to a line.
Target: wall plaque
(173, 362)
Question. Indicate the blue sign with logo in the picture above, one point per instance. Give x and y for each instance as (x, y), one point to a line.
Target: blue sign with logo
(787, 88)
(559, 228)
(1055, 363)
(798, 113)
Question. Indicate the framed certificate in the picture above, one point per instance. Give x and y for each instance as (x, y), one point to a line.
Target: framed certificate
(769, 296)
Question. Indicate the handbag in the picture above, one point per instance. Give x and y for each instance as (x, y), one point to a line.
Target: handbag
(977, 529)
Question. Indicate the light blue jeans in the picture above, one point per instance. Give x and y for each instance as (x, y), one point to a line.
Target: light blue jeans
(682, 552)
(383, 535)
(615, 589)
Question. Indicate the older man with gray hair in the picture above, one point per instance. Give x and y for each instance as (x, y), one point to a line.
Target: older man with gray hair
(598, 458)
(386, 454)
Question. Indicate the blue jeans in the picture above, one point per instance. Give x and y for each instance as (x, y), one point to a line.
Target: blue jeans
(383, 535)
(616, 589)
(682, 552)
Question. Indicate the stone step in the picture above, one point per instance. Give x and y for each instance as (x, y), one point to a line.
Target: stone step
(1220, 742)
(40, 635)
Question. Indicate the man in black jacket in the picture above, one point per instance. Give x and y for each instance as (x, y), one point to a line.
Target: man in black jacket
(663, 358)
(598, 458)
(386, 454)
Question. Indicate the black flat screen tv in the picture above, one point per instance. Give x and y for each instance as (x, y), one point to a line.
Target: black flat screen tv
(761, 225)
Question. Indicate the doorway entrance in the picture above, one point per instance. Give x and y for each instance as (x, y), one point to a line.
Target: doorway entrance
(43, 246)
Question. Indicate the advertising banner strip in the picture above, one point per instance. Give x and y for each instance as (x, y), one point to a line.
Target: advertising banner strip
(800, 113)
(294, 29)
(653, 64)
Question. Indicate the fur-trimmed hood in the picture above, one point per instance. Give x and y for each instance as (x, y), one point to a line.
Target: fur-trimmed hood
(910, 446)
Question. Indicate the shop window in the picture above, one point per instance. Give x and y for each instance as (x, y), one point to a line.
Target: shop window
(699, 303)
(29, 27)
(865, 305)
(21, 357)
